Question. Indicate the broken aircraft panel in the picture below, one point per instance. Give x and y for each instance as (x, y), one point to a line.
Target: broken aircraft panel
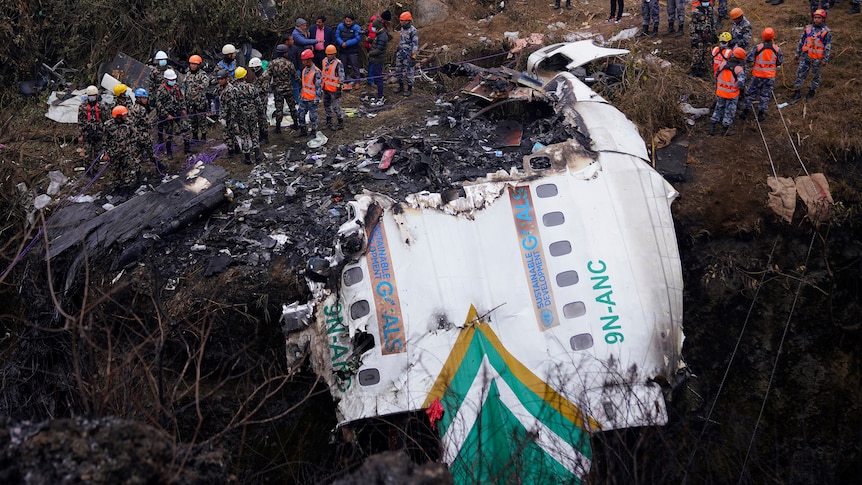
(536, 308)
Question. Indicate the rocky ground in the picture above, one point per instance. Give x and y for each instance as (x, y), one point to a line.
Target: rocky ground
(180, 353)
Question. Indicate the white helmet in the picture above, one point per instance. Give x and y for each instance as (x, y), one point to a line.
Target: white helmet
(92, 91)
(170, 75)
(228, 49)
(161, 55)
(254, 62)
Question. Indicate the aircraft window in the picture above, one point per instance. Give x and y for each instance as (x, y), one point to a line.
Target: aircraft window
(574, 309)
(352, 276)
(582, 341)
(369, 377)
(560, 248)
(546, 190)
(359, 309)
(567, 278)
(553, 219)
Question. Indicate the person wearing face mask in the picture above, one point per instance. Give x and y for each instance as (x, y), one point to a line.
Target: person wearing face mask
(171, 112)
(92, 115)
(385, 17)
(140, 116)
(376, 59)
(194, 86)
(261, 80)
(159, 67)
(228, 62)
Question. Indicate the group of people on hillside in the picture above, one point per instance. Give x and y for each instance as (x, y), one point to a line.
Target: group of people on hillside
(735, 52)
(310, 65)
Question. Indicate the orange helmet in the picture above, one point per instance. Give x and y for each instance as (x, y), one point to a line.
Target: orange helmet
(307, 54)
(768, 34)
(736, 13)
(739, 52)
(119, 111)
(405, 16)
(330, 49)
(819, 13)
(195, 59)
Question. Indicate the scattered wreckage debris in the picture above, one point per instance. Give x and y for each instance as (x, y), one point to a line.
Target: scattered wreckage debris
(546, 299)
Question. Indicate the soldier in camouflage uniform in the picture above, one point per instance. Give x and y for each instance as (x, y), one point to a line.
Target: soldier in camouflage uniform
(332, 81)
(195, 85)
(156, 76)
(171, 112)
(405, 57)
(92, 114)
(649, 12)
(120, 149)
(120, 98)
(702, 32)
(740, 30)
(675, 11)
(141, 118)
(241, 104)
(261, 80)
(283, 74)
(221, 91)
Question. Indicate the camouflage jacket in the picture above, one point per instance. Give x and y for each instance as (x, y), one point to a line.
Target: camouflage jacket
(740, 33)
(261, 82)
(408, 43)
(120, 139)
(195, 87)
(282, 73)
(157, 76)
(141, 118)
(170, 101)
(241, 103)
(702, 27)
(91, 117)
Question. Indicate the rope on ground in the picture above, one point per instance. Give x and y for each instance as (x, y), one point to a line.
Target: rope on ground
(730, 362)
(777, 356)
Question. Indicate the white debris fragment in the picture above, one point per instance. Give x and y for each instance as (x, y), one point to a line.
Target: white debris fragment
(82, 199)
(41, 201)
(57, 180)
(108, 206)
(511, 36)
(198, 247)
(625, 34)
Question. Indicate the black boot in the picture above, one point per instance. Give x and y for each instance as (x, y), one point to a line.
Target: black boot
(340, 124)
(231, 151)
(679, 32)
(246, 158)
(711, 128)
(853, 8)
(777, 2)
(302, 132)
(401, 84)
(811, 93)
(203, 135)
(186, 147)
(556, 7)
(329, 123)
(654, 32)
(277, 125)
(409, 90)
(728, 130)
(744, 113)
(761, 115)
(645, 31)
(169, 148)
(568, 4)
(257, 155)
(670, 29)
(797, 95)
(264, 135)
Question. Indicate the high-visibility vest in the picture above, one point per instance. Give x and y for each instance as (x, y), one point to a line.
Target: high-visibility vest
(725, 83)
(309, 91)
(765, 61)
(815, 43)
(330, 78)
(719, 57)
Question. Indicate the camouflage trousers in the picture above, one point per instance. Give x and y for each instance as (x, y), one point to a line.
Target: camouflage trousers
(807, 64)
(722, 9)
(760, 88)
(125, 167)
(262, 120)
(649, 11)
(282, 95)
(245, 132)
(676, 10)
(700, 56)
(169, 128)
(332, 105)
(306, 106)
(405, 67)
(198, 118)
(815, 4)
(725, 110)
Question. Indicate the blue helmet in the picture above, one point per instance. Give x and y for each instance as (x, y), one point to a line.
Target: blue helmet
(141, 93)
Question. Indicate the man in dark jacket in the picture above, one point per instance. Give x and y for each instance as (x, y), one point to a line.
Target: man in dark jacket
(324, 35)
(347, 37)
(376, 59)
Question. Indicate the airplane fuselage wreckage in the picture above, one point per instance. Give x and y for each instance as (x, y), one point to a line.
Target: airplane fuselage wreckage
(534, 310)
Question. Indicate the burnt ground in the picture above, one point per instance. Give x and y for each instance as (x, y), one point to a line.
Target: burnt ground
(186, 340)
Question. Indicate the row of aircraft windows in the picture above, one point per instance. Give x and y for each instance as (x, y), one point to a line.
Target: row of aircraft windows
(574, 309)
